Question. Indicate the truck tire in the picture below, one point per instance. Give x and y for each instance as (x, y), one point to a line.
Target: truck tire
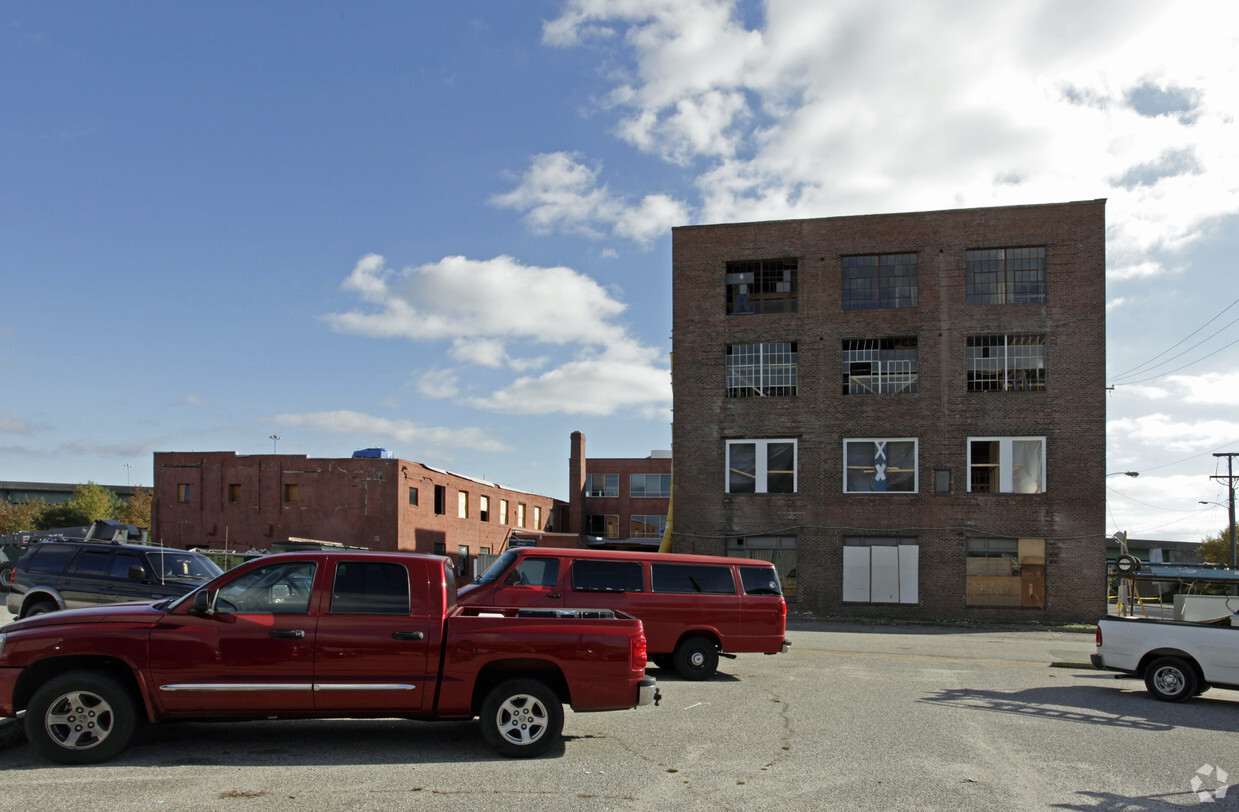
(6, 577)
(696, 658)
(81, 717)
(1171, 679)
(521, 718)
(40, 608)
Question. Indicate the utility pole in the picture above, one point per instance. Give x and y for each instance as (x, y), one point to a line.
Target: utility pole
(1230, 485)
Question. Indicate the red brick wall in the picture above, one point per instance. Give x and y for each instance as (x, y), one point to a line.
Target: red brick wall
(358, 502)
(624, 505)
(1070, 414)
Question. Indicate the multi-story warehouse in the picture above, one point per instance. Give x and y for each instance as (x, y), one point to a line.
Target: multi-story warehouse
(906, 411)
(617, 502)
(220, 500)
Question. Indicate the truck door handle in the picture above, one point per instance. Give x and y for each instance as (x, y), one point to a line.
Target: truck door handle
(556, 595)
(294, 634)
(408, 636)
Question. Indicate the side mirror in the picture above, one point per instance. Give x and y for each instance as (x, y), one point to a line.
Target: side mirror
(202, 602)
(136, 573)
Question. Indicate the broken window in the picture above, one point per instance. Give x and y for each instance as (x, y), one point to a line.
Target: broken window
(880, 366)
(761, 286)
(1006, 464)
(1006, 276)
(761, 466)
(1006, 363)
(880, 466)
(1006, 572)
(879, 281)
(761, 370)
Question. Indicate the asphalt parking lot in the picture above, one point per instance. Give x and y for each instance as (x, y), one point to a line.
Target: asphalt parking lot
(855, 717)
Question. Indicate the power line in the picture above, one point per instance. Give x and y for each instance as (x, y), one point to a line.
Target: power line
(1139, 367)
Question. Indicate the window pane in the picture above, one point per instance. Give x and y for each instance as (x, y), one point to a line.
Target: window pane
(607, 576)
(1026, 466)
(742, 468)
(781, 468)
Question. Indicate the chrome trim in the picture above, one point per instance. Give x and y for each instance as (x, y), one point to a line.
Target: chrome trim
(365, 686)
(216, 687)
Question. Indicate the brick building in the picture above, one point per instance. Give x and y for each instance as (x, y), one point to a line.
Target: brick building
(617, 502)
(906, 411)
(219, 500)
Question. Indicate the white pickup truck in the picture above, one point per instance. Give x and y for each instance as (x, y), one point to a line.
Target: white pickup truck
(1177, 659)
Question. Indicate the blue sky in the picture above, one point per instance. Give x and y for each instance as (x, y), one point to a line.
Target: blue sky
(444, 229)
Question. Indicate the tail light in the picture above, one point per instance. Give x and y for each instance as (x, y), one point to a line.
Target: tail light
(1099, 636)
(637, 653)
(782, 608)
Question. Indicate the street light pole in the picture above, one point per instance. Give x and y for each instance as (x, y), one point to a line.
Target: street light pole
(1230, 486)
(275, 441)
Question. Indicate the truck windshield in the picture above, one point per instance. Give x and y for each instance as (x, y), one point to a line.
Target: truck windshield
(498, 568)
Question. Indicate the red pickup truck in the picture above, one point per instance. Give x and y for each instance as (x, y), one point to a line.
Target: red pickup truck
(316, 634)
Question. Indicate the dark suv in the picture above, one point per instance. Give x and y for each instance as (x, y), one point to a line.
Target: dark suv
(56, 575)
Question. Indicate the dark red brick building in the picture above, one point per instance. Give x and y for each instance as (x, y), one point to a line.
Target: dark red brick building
(617, 502)
(219, 500)
(905, 411)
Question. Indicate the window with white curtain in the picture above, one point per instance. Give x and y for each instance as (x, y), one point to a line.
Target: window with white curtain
(1006, 464)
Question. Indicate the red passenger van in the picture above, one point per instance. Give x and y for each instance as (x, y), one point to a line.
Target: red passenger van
(694, 607)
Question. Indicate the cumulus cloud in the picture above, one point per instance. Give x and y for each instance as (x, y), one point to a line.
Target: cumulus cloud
(486, 308)
(404, 432)
(559, 192)
(1165, 431)
(852, 107)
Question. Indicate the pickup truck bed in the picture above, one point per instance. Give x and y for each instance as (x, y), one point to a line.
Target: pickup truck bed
(1176, 659)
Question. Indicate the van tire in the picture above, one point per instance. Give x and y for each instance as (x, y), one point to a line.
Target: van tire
(696, 658)
(40, 608)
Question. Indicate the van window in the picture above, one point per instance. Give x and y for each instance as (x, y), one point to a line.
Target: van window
(51, 558)
(534, 572)
(760, 581)
(607, 576)
(692, 578)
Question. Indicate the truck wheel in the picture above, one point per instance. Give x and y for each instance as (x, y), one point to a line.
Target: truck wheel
(696, 659)
(81, 717)
(521, 718)
(40, 608)
(1170, 679)
(6, 577)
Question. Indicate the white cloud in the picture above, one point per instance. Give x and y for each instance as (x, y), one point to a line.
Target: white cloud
(438, 384)
(624, 377)
(1164, 431)
(11, 425)
(861, 106)
(406, 432)
(560, 193)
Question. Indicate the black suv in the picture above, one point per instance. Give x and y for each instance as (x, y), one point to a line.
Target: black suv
(56, 575)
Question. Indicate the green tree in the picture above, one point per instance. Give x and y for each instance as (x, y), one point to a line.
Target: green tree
(64, 514)
(1215, 549)
(136, 510)
(18, 516)
(95, 502)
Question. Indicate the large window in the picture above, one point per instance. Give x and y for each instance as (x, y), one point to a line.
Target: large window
(880, 280)
(602, 485)
(880, 366)
(1006, 572)
(761, 466)
(761, 286)
(761, 370)
(603, 525)
(1006, 464)
(881, 570)
(1006, 276)
(692, 579)
(876, 466)
(1004, 363)
(649, 486)
(607, 576)
(646, 526)
(779, 550)
(370, 588)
